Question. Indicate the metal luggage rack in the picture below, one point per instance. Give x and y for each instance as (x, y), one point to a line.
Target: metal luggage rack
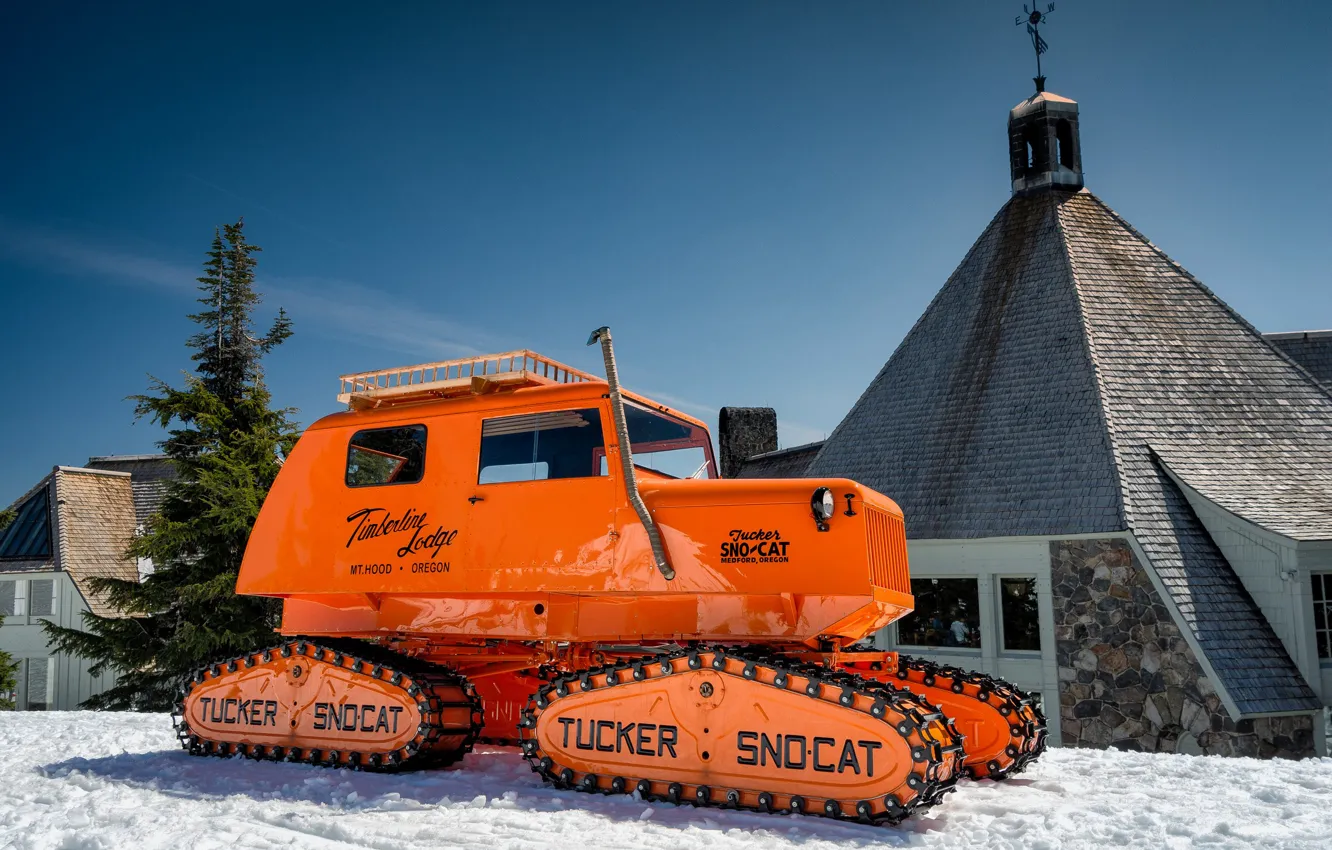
(467, 375)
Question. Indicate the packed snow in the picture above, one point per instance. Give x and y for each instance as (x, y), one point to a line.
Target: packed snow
(99, 780)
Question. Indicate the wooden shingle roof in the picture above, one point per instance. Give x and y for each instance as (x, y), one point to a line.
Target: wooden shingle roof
(1058, 371)
(96, 521)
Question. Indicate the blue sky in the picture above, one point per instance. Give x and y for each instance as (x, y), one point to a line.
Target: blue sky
(758, 197)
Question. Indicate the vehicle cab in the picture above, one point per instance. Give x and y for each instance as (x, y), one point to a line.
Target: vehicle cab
(489, 496)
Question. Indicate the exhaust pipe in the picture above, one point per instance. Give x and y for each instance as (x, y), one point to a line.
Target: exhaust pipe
(602, 335)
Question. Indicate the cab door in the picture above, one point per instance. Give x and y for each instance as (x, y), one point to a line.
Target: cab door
(542, 509)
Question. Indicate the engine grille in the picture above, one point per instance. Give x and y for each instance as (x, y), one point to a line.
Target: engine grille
(887, 550)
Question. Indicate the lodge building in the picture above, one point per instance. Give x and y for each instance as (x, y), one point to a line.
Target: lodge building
(72, 525)
(1118, 493)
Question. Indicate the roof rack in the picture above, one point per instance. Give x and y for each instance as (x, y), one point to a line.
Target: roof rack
(467, 375)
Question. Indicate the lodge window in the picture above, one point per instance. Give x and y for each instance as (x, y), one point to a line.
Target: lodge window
(1322, 604)
(14, 598)
(386, 456)
(541, 446)
(27, 598)
(947, 614)
(1020, 614)
(41, 596)
(40, 683)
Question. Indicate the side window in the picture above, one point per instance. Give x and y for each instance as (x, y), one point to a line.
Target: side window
(538, 446)
(386, 456)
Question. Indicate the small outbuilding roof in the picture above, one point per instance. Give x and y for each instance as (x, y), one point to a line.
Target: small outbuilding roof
(1310, 349)
(149, 477)
(783, 463)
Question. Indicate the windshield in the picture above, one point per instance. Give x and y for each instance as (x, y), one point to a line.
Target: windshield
(668, 446)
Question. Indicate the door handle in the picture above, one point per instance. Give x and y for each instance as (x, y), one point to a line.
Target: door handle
(475, 499)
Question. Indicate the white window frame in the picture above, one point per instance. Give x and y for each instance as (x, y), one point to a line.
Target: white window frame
(23, 615)
(25, 668)
(1326, 604)
(33, 619)
(1002, 648)
(959, 651)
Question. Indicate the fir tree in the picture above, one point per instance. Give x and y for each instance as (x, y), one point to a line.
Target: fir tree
(227, 444)
(8, 677)
(8, 667)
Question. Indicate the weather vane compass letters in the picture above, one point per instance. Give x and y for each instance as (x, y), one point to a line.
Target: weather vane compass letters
(1034, 19)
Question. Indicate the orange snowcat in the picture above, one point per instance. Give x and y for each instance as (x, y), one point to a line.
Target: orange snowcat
(506, 549)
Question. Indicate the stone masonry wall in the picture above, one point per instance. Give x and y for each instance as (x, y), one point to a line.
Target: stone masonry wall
(1128, 679)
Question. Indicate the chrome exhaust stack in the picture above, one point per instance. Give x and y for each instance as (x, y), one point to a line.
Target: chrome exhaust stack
(602, 335)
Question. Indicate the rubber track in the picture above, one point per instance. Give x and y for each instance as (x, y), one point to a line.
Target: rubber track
(943, 765)
(423, 677)
(1010, 700)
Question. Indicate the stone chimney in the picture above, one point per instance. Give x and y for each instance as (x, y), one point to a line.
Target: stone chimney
(744, 432)
(1043, 146)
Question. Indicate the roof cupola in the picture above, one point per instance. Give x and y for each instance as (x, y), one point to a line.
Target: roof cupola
(1043, 146)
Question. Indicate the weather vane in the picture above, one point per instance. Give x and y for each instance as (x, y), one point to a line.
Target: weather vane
(1034, 19)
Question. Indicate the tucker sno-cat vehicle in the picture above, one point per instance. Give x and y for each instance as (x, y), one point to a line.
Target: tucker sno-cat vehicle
(506, 549)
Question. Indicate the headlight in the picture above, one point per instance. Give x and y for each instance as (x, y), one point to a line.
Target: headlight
(823, 504)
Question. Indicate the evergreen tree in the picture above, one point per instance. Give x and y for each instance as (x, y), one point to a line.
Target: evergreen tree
(8, 667)
(8, 677)
(227, 444)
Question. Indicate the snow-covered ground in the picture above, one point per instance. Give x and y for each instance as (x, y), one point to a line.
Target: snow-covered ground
(86, 780)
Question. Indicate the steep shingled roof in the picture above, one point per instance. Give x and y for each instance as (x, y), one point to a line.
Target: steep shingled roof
(986, 422)
(1062, 362)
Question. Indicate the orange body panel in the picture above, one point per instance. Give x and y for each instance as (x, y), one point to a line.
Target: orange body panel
(563, 559)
